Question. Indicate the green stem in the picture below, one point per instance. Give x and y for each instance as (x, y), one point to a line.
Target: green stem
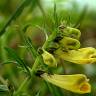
(50, 89)
(3, 44)
(51, 37)
(27, 80)
(24, 85)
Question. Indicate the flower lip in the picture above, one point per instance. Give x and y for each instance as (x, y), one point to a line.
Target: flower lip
(85, 87)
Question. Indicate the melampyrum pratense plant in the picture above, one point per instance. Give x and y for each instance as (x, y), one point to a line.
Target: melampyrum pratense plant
(62, 44)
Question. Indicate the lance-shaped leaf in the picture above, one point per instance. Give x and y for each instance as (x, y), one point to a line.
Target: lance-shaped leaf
(77, 83)
(4, 91)
(80, 56)
(16, 57)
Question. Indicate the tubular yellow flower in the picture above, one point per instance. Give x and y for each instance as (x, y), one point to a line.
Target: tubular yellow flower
(72, 32)
(80, 56)
(49, 59)
(69, 43)
(77, 83)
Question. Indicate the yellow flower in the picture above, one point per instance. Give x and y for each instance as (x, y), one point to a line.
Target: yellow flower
(72, 32)
(49, 59)
(77, 83)
(69, 43)
(80, 56)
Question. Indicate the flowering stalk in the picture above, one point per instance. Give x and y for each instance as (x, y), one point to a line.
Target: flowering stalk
(26, 82)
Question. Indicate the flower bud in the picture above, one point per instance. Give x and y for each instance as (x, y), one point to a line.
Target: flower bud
(69, 43)
(72, 32)
(49, 59)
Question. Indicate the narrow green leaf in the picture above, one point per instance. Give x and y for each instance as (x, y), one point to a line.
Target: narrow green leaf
(17, 12)
(4, 91)
(30, 47)
(8, 62)
(32, 50)
(55, 16)
(38, 93)
(52, 89)
(15, 57)
(4, 88)
(27, 42)
(81, 17)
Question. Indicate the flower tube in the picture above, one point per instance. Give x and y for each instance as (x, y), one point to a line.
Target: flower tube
(77, 83)
(80, 56)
